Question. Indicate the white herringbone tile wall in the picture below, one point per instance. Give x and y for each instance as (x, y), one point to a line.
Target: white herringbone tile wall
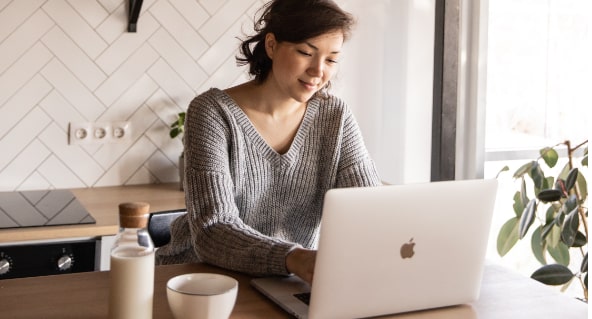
(65, 61)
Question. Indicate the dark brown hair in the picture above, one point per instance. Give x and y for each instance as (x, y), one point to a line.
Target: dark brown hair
(292, 21)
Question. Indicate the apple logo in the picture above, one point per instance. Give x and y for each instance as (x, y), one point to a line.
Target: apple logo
(407, 249)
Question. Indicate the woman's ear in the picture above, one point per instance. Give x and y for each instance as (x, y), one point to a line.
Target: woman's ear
(270, 44)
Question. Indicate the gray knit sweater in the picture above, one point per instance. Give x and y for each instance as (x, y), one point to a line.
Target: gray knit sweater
(249, 206)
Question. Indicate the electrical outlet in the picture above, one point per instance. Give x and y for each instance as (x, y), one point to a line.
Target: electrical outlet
(121, 132)
(99, 132)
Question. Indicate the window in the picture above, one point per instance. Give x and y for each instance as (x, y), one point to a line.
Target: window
(538, 75)
(539, 61)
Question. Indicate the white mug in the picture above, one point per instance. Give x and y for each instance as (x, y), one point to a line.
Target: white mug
(202, 296)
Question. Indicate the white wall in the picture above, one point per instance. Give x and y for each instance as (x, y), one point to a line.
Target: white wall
(387, 77)
(68, 61)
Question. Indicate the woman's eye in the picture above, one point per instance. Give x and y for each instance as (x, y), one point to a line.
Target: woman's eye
(304, 53)
(332, 61)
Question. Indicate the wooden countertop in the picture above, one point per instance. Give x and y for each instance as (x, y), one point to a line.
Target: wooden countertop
(102, 203)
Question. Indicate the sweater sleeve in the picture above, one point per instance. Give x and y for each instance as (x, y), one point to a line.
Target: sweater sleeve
(218, 235)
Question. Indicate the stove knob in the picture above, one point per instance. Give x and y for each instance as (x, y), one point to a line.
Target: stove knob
(65, 262)
(4, 266)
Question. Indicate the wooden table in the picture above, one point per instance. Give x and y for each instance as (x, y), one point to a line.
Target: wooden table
(504, 294)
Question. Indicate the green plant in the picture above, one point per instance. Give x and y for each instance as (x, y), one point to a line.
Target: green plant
(559, 208)
(178, 126)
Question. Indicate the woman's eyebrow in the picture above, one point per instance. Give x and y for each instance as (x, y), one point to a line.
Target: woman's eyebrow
(317, 49)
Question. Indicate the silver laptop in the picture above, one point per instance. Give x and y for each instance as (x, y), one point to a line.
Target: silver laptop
(392, 249)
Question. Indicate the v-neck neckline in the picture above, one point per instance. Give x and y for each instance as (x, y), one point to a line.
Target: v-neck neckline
(284, 159)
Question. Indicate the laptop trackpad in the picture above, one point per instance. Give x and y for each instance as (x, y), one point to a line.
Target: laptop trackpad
(284, 291)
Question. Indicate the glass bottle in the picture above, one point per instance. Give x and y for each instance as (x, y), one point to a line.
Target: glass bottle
(131, 278)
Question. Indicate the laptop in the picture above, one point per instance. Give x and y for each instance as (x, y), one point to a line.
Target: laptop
(393, 249)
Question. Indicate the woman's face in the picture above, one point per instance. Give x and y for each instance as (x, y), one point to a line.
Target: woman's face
(299, 70)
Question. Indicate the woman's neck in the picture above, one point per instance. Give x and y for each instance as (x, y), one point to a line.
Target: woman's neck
(264, 98)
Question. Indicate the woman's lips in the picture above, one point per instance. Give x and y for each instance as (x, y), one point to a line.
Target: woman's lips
(308, 86)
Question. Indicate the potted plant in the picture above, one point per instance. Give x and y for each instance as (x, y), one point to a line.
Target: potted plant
(178, 128)
(553, 210)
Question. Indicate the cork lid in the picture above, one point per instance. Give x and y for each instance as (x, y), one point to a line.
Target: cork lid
(134, 215)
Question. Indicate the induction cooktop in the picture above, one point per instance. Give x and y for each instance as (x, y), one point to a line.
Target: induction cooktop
(41, 208)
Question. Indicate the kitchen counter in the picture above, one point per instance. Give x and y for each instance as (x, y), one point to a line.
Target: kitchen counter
(102, 203)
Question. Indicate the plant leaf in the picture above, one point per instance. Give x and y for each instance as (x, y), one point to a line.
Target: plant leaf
(174, 132)
(564, 172)
(523, 188)
(507, 237)
(553, 234)
(553, 275)
(550, 156)
(547, 229)
(570, 227)
(504, 169)
(551, 211)
(560, 253)
(566, 285)
(524, 169)
(550, 220)
(570, 204)
(584, 267)
(518, 204)
(549, 195)
(580, 240)
(549, 182)
(582, 186)
(523, 194)
(527, 218)
(178, 126)
(570, 181)
(538, 246)
(537, 175)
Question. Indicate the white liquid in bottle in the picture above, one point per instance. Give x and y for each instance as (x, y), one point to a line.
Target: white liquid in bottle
(132, 284)
(131, 278)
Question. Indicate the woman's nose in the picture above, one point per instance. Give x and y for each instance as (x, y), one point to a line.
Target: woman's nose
(315, 68)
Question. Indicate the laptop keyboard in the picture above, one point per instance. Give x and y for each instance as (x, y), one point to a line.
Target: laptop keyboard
(304, 297)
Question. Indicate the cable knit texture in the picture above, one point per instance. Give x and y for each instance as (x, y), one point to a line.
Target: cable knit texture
(249, 206)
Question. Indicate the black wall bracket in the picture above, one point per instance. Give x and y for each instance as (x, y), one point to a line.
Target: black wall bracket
(134, 12)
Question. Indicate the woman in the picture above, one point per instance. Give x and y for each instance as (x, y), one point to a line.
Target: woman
(260, 156)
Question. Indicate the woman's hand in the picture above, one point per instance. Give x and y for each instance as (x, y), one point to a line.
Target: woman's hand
(301, 263)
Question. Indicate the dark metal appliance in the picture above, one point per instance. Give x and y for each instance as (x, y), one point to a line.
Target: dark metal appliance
(44, 209)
